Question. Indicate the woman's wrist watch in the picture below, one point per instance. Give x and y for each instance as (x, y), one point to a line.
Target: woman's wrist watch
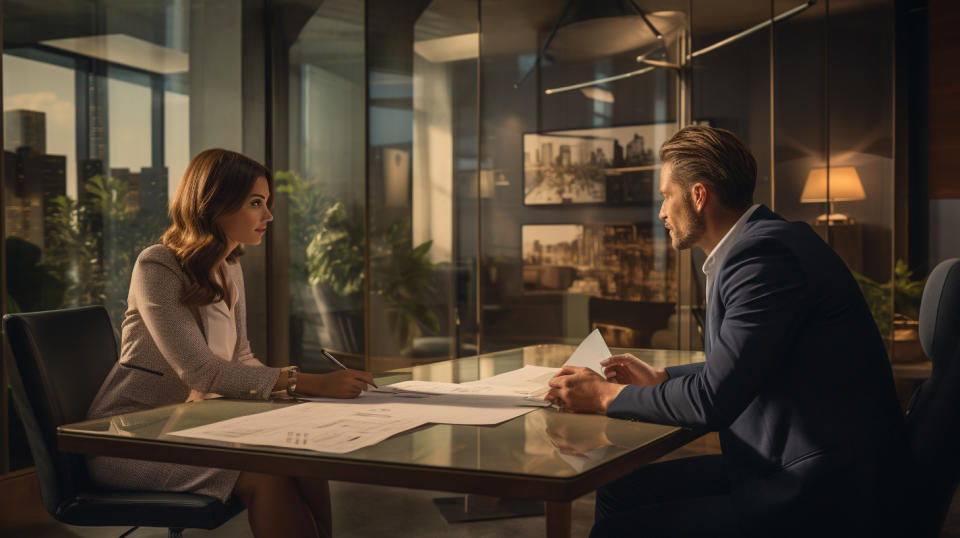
(292, 374)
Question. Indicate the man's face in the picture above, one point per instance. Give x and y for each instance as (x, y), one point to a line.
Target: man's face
(677, 211)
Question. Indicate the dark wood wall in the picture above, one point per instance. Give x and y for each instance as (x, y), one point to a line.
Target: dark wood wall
(944, 99)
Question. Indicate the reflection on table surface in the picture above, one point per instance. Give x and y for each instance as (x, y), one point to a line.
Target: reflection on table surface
(545, 442)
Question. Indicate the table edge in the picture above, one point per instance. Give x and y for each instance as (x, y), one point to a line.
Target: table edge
(380, 473)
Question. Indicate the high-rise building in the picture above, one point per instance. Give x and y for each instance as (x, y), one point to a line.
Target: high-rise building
(547, 154)
(24, 129)
(636, 152)
(33, 182)
(97, 143)
(147, 188)
(88, 169)
(153, 189)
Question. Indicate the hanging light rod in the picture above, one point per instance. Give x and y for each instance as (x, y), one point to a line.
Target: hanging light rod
(748, 31)
(653, 29)
(552, 91)
(546, 44)
(656, 63)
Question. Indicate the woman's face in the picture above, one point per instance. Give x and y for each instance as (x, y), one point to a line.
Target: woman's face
(247, 225)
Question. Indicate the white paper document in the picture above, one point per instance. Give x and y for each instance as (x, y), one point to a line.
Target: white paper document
(340, 426)
(475, 409)
(322, 427)
(590, 352)
(531, 382)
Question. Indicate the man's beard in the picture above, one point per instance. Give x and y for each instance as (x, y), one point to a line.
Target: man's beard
(691, 229)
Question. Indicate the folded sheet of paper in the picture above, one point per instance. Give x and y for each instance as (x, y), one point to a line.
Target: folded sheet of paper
(340, 426)
(590, 352)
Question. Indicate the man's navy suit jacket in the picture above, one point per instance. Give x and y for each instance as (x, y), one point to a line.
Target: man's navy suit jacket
(797, 382)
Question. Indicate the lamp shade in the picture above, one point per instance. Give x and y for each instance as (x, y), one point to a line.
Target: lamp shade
(844, 185)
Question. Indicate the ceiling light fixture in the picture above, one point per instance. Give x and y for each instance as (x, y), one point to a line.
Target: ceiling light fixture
(591, 28)
(668, 65)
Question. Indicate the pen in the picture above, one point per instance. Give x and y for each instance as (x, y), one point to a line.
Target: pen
(334, 360)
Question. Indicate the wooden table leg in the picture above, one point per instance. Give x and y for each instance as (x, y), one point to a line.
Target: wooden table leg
(558, 519)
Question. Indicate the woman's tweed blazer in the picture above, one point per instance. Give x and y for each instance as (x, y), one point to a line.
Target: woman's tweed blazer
(164, 355)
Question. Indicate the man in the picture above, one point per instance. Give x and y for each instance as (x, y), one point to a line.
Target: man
(796, 377)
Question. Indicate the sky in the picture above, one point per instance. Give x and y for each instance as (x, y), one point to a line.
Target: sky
(33, 85)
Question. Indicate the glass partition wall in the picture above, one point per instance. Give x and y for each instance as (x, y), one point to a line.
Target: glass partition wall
(324, 186)
(508, 187)
(569, 235)
(453, 176)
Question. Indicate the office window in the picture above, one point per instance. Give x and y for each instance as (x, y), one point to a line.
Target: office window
(103, 106)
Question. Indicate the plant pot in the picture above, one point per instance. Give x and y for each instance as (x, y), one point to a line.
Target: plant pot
(906, 342)
(342, 317)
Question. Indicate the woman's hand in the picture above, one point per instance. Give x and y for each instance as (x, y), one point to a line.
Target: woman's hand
(338, 384)
(629, 370)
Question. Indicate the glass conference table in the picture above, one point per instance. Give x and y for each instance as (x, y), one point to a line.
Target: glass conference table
(547, 455)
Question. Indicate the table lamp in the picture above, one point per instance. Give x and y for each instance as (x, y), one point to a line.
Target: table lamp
(844, 186)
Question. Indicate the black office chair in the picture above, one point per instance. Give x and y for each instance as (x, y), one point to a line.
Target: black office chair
(61, 358)
(933, 415)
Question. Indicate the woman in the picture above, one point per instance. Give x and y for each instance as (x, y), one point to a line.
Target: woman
(184, 337)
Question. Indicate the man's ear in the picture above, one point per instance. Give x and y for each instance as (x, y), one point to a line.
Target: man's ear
(698, 195)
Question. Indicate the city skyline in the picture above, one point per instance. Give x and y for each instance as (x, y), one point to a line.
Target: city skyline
(613, 165)
(613, 260)
(34, 179)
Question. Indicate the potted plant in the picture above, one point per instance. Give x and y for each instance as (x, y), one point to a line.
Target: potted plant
(92, 244)
(897, 324)
(330, 239)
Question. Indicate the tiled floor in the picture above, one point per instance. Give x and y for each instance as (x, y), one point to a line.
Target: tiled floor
(399, 512)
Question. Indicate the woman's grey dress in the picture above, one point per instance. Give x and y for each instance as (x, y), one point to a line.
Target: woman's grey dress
(164, 357)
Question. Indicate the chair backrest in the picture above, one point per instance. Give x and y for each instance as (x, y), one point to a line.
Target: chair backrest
(60, 359)
(933, 417)
(642, 317)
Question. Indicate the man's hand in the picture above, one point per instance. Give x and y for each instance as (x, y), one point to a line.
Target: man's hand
(629, 370)
(582, 390)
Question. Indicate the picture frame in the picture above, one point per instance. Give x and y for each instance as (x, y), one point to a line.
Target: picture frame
(600, 166)
(615, 260)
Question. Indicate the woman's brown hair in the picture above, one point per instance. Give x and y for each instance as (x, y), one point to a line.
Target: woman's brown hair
(216, 183)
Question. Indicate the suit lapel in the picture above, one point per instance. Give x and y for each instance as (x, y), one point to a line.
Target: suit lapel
(712, 322)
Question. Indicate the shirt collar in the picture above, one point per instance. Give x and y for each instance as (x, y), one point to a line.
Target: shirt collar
(719, 253)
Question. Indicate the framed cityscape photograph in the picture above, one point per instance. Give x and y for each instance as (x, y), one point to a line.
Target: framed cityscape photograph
(623, 261)
(609, 165)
